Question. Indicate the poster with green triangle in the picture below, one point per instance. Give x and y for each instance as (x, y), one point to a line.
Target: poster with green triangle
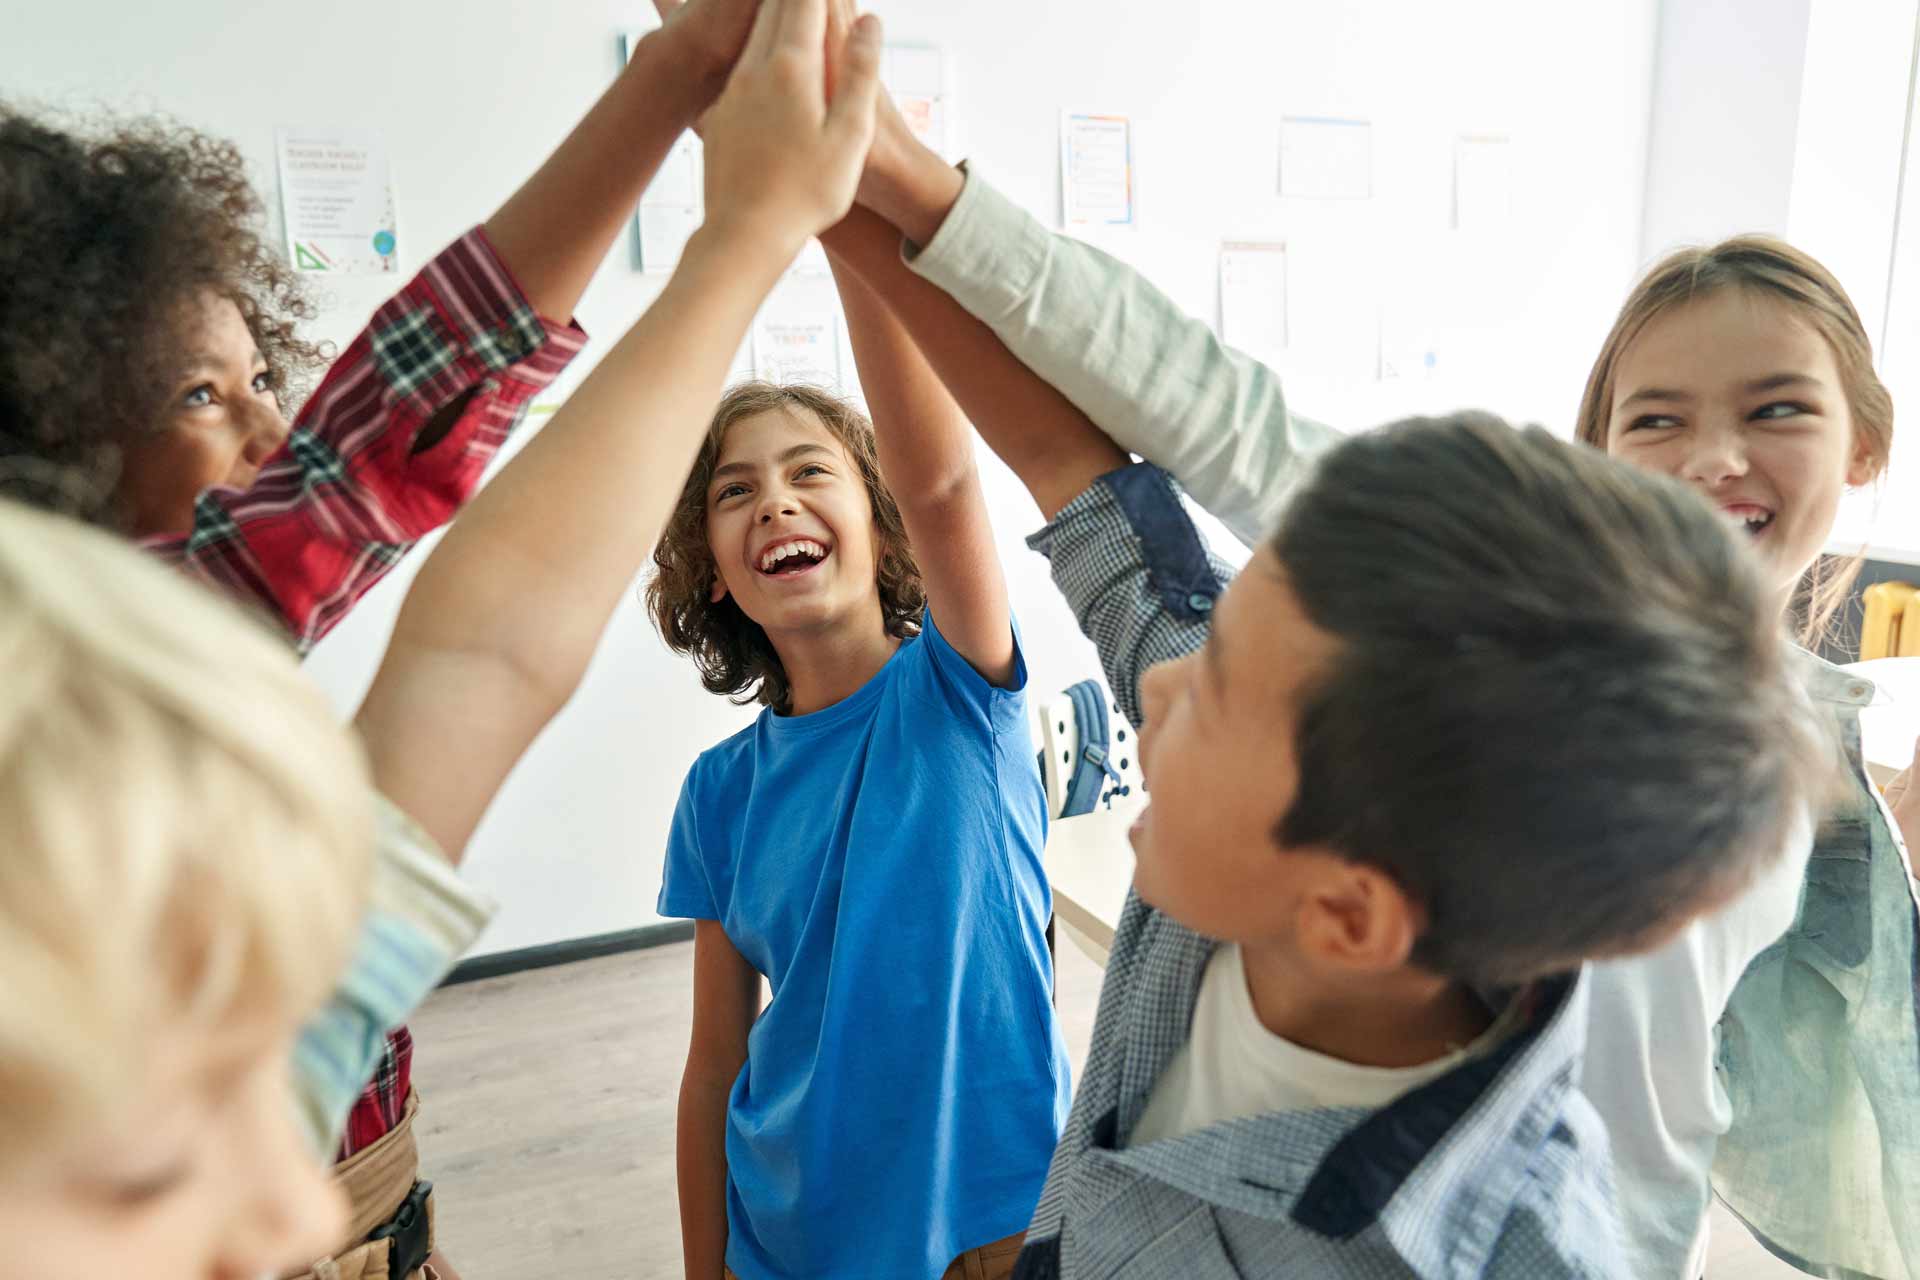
(336, 199)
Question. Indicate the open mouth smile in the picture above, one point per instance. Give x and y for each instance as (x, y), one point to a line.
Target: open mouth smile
(793, 558)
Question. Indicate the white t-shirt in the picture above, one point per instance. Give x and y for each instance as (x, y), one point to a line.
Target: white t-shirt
(1232, 1066)
(1649, 1067)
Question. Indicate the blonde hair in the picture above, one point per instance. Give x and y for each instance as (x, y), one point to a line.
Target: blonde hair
(1769, 268)
(185, 830)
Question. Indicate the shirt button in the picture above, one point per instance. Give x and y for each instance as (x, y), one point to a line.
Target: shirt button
(1199, 603)
(1857, 691)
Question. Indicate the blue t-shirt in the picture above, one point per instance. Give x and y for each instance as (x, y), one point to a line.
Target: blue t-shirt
(879, 862)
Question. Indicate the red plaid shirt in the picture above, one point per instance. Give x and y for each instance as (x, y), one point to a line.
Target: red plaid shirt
(346, 497)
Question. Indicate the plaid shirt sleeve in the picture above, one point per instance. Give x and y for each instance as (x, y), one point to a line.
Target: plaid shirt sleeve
(1137, 573)
(347, 496)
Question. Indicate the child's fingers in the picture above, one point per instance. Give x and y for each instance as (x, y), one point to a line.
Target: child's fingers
(850, 114)
(802, 25)
(760, 40)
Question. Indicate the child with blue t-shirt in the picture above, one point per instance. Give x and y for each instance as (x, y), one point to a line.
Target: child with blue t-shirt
(870, 846)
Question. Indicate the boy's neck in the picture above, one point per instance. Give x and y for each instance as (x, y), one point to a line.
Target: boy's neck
(827, 666)
(1398, 1019)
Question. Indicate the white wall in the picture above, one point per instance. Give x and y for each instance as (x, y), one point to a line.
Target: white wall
(1726, 103)
(470, 97)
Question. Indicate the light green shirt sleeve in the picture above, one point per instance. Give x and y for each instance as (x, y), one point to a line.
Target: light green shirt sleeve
(1154, 378)
(421, 918)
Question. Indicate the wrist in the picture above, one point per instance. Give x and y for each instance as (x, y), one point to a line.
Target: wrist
(754, 247)
(670, 61)
(914, 191)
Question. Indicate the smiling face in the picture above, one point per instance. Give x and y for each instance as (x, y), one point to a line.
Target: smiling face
(221, 422)
(1742, 399)
(202, 1177)
(790, 525)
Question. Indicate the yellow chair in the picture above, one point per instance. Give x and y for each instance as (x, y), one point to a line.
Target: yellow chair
(1887, 606)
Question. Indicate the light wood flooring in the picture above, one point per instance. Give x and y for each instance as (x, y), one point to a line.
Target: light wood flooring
(548, 1111)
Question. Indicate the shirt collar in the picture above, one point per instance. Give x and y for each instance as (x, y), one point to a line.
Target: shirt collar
(1458, 1149)
(1829, 683)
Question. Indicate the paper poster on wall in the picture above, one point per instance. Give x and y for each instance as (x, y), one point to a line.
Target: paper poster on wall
(1482, 182)
(673, 205)
(1253, 297)
(336, 197)
(1326, 158)
(1096, 170)
(797, 346)
(916, 77)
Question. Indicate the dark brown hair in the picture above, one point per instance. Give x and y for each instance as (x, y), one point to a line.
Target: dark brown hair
(108, 235)
(734, 655)
(1768, 268)
(1563, 716)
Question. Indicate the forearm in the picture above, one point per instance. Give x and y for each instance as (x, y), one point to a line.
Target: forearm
(925, 444)
(700, 1156)
(1155, 379)
(532, 571)
(556, 229)
(1053, 447)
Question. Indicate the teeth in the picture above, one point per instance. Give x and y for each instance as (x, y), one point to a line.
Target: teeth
(774, 555)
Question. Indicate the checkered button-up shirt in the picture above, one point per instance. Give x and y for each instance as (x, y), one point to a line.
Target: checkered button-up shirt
(347, 496)
(1498, 1169)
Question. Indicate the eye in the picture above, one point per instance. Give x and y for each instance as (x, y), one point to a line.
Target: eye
(132, 1193)
(1780, 409)
(1653, 422)
(809, 470)
(200, 397)
(729, 491)
(264, 383)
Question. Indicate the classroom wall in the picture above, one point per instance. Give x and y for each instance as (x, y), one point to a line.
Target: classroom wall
(470, 97)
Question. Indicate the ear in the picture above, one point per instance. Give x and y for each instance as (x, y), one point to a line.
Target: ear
(1861, 468)
(1356, 917)
(719, 589)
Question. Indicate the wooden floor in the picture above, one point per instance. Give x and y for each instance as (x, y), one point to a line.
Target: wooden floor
(548, 1111)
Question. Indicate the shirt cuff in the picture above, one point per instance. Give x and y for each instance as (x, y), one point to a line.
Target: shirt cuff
(988, 254)
(1130, 519)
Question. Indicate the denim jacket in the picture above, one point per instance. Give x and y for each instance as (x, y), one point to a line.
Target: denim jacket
(1819, 1053)
(1497, 1169)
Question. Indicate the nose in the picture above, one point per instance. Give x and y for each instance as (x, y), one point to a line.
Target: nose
(265, 430)
(289, 1214)
(1716, 453)
(775, 502)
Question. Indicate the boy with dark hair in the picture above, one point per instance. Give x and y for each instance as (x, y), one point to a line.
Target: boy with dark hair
(1459, 727)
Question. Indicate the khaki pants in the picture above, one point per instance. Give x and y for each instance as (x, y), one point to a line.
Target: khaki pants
(376, 1181)
(988, 1262)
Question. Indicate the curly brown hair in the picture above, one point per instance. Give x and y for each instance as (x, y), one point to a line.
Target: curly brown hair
(734, 655)
(109, 231)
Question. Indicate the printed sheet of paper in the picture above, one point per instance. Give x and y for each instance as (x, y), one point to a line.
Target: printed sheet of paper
(797, 346)
(1323, 158)
(674, 205)
(1096, 170)
(1482, 183)
(1253, 297)
(916, 76)
(336, 195)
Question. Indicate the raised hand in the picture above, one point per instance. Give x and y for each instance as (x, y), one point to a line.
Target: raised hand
(782, 160)
(711, 32)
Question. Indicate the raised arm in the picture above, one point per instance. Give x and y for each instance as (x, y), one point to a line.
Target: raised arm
(501, 623)
(1156, 379)
(926, 455)
(556, 229)
(1047, 442)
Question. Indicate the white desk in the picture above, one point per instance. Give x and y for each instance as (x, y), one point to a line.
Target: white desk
(1889, 727)
(1089, 862)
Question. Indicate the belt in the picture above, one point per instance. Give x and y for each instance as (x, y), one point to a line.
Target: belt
(392, 1210)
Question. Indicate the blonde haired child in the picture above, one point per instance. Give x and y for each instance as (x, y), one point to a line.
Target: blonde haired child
(130, 1168)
